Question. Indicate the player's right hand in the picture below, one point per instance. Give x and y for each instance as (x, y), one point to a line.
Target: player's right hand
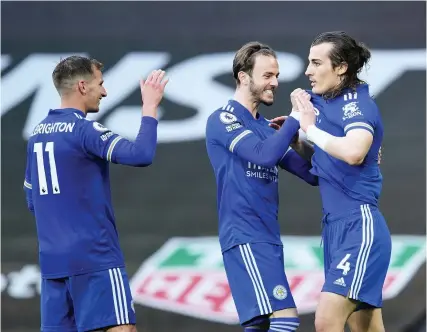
(277, 122)
(301, 93)
(153, 87)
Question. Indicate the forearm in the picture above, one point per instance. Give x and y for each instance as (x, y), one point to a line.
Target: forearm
(338, 147)
(29, 199)
(296, 165)
(268, 152)
(303, 148)
(141, 152)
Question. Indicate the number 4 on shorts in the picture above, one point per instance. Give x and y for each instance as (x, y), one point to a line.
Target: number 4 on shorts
(344, 265)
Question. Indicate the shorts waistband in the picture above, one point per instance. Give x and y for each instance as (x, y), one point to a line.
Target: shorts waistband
(332, 217)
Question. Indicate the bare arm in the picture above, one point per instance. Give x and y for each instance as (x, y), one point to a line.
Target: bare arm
(303, 147)
(351, 148)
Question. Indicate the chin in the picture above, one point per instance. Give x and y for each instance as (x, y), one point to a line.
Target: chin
(317, 90)
(268, 102)
(93, 110)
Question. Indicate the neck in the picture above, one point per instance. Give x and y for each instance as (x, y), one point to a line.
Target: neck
(72, 103)
(247, 101)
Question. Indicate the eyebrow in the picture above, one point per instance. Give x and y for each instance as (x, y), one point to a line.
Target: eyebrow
(271, 73)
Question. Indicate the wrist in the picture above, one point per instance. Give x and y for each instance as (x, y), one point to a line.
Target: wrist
(318, 136)
(149, 110)
(296, 115)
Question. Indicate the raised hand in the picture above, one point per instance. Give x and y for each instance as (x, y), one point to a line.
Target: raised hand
(306, 109)
(153, 87)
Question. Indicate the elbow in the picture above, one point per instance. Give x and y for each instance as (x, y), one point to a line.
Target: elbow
(314, 181)
(30, 207)
(145, 159)
(264, 161)
(29, 200)
(144, 162)
(355, 158)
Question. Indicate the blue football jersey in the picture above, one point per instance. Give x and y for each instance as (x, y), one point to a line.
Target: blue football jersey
(343, 186)
(245, 154)
(68, 189)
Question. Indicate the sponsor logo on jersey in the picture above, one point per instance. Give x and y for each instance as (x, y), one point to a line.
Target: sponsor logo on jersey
(99, 127)
(351, 110)
(186, 275)
(261, 172)
(106, 136)
(227, 118)
(233, 126)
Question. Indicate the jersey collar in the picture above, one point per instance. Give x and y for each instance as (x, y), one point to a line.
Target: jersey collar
(241, 111)
(67, 111)
(361, 88)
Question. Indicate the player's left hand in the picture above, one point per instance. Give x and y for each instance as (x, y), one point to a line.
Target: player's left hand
(277, 122)
(306, 108)
(298, 93)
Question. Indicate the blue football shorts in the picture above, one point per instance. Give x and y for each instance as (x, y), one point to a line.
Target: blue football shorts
(257, 280)
(357, 252)
(86, 302)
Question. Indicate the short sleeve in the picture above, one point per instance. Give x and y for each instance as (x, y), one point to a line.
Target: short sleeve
(359, 115)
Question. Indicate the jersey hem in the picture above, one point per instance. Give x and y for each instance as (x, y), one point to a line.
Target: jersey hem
(278, 243)
(58, 329)
(86, 271)
(105, 324)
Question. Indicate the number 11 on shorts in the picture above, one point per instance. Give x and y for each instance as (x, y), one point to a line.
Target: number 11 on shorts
(344, 265)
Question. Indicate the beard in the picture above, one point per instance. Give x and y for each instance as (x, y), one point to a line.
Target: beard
(257, 94)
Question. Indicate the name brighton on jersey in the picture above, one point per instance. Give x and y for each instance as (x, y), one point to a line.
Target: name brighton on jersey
(49, 128)
(260, 172)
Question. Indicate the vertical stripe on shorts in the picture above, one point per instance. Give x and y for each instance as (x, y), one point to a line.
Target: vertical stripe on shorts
(253, 271)
(365, 249)
(119, 296)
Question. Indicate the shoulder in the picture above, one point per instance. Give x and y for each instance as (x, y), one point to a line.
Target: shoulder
(222, 123)
(220, 118)
(223, 116)
(357, 104)
(90, 125)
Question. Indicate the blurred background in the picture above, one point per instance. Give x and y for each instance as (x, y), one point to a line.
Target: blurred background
(166, 214)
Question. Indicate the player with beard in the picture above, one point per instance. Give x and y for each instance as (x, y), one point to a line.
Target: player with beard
(245, 151)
